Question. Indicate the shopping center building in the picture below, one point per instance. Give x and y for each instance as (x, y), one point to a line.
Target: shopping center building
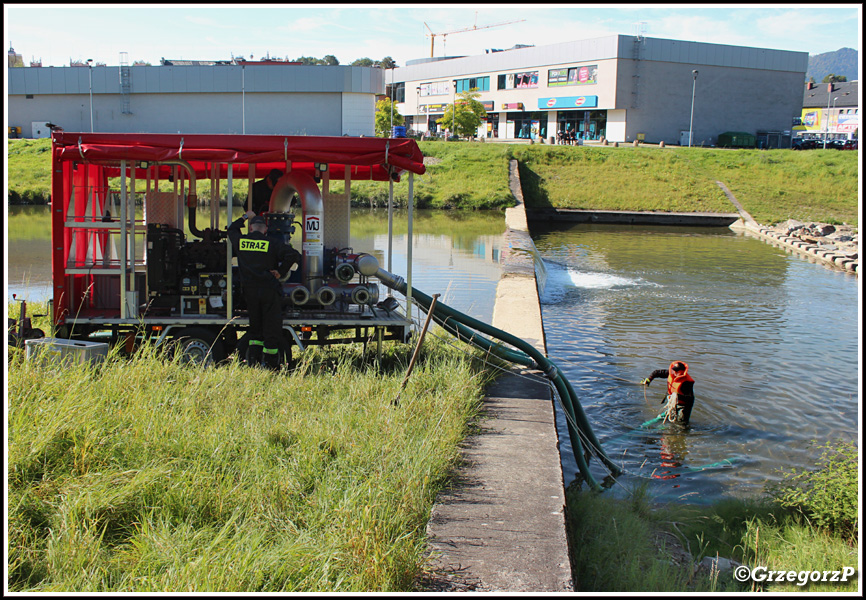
(619, 87)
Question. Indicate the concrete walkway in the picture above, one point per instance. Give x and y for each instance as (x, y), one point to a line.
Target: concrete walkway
(501, 526)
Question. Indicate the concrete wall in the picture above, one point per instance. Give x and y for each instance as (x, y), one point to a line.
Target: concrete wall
(287, 100)
(266, 113)
(726, 99)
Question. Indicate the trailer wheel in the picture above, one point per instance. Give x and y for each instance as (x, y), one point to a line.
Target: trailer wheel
(199, 345)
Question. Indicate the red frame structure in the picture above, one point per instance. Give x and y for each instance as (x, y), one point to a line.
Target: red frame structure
(82, 164)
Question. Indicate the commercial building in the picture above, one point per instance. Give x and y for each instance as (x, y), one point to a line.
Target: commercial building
(619, 87)
(830, 110)
(261, 98)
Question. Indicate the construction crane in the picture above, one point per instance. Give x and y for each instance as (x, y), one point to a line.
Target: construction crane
(475, 27)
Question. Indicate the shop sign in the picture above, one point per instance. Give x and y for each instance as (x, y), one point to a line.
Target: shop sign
(488, 105)
(512, 106)
(568, 102)
(848, 123)
(432, 108)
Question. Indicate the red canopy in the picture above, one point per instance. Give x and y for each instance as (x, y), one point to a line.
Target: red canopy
(368, 158)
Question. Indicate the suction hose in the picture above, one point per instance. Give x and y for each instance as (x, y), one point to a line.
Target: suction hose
(458, 324)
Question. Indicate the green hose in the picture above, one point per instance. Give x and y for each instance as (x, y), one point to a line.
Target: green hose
(458, 324)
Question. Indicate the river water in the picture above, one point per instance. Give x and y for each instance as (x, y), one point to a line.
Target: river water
(771, 339)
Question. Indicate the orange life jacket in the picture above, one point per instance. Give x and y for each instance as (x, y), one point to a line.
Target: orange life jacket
(676, 381)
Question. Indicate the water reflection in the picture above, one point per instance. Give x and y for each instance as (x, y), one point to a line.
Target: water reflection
(454, 254)
(759, 329)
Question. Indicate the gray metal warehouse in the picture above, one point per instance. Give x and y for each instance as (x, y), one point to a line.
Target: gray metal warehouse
(619, 87)
(285, 99)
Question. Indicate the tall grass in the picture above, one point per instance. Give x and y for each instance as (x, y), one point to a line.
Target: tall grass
(613, 547)
(808, 522)
(146, 475)
(758, 532)
(613, 550)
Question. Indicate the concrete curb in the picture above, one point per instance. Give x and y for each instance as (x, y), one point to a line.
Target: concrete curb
(812, 252)
(501, 527)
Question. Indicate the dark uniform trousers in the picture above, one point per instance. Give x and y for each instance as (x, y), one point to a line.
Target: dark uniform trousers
(266, 325)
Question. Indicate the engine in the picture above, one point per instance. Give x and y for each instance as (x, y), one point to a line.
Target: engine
(189, 277)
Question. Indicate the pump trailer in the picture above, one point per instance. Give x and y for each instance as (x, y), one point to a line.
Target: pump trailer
(125, 272)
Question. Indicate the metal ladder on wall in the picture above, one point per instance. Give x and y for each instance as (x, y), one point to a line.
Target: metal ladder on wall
(125, 85)
(639, 41)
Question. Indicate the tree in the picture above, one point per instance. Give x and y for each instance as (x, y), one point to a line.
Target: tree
(383, 117)
(465, 115)
(330, 60)
(307, 60)
(363, 62)
(833, 78)
(388, 63)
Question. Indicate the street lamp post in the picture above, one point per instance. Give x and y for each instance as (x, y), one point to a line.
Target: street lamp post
(243, 101)
(692, 116)
(453, 107)
(418, 109)
(392, 101)
(827, 127)
(90, 78)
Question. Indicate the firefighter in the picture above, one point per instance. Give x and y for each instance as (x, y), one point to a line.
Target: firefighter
(262, 190)
(680, 394)
(262, 262)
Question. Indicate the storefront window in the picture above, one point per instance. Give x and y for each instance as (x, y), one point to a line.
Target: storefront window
(481, 84)
(587, 75)
(436, 88)
(529, 125)
(513, 81)
(587, 124)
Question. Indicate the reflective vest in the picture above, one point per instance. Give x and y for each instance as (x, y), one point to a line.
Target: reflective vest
(676, 381)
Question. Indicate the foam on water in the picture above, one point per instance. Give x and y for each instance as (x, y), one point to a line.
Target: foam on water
(561, 279)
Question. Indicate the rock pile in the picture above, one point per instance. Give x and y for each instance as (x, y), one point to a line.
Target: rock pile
(836, 245)
(843, 239)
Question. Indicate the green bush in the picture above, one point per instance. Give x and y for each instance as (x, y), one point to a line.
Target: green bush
(827, 496)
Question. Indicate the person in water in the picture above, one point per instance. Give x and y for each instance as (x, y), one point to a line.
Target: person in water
(681, 392)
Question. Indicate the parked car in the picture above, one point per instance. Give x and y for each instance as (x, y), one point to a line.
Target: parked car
(849, 145)
(803, 144)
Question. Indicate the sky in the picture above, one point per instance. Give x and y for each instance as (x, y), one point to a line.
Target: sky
(148, 32)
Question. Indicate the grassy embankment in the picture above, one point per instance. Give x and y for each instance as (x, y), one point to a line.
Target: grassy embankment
(772, 185)
(147, 475)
